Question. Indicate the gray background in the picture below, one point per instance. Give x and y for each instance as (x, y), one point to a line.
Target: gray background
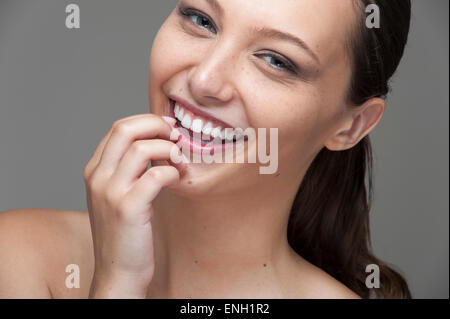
(61, 89)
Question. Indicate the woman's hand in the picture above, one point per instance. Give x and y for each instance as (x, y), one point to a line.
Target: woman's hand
(120, 191)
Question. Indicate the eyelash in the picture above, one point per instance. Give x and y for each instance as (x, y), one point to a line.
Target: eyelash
(187, 13)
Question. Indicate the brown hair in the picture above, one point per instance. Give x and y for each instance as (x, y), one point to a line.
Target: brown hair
(329, 220)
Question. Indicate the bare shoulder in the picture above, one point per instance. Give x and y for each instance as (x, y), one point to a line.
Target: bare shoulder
(327, 287)
(37, 245)
(311, 282)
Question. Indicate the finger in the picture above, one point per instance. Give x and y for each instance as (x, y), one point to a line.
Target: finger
(94, 160)
(150, 184)
(135, 161)
(125, 133)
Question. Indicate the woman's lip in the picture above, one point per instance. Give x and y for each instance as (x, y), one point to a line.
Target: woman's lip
(196, 147)
(188, 143)
(172, 114)
(199, 112)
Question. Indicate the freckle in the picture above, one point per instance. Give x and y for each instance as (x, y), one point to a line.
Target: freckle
(264, 265)
(196, 262)
(189, 182)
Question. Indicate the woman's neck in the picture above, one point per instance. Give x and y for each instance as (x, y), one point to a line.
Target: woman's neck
(225, 247)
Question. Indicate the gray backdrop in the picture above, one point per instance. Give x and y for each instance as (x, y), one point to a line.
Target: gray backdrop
(61, 89)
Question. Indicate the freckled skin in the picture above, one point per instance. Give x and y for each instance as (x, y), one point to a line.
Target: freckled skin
(221, 74)
(228, 218)
(252, 94)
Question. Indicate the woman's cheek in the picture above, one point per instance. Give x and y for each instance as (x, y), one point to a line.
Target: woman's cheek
(298, 133)
(165, 57)
(172, 49)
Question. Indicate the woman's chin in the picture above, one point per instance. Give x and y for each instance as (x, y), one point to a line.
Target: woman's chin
(212, 180)
(197, 178)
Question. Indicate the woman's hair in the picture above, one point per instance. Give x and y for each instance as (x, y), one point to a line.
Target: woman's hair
(329, 220)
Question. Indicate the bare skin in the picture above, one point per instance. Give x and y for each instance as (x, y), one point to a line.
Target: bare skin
(38, 244)
(203, 231)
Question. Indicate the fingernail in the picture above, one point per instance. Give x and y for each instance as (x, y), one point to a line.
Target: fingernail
(174, 135)
(170, 120)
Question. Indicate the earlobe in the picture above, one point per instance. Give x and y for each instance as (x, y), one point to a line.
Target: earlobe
(359, 124)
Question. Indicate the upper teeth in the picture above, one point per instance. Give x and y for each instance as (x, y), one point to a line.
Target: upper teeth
(197, 125)
(186, 122)
(204, 126)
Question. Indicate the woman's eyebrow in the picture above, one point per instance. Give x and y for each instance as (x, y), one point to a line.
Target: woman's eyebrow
(277, 34)
(271, 33)
(216, 6)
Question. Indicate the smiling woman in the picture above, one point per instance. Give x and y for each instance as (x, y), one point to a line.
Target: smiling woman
(310, 69)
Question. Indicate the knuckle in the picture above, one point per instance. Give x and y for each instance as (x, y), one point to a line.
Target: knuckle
(116, 123)
(114, 126)
(156, 175)
(139, 147)
(122, 208)
(157, 121)
(111, 196)
(95, 184)
(121, 128)
(86, 172)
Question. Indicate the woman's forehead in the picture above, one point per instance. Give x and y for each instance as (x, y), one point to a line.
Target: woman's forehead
(323, 25)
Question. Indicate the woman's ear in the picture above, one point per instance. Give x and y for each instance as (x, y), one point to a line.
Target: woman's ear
(357, 123)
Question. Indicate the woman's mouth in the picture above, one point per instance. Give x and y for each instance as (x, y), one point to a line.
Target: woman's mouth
(203, 133)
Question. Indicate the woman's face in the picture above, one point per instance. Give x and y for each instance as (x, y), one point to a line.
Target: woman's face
(226, 58)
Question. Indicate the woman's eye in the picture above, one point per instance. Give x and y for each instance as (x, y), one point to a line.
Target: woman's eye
(278, 63)
(204, 22)
(197, 19)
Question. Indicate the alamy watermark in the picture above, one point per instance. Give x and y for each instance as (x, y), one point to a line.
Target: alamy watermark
(229, 148)
(373, 19)
(73, 17)
(373, 280)
(73, 279)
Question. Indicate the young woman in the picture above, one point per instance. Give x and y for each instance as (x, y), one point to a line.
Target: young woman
(312, 69)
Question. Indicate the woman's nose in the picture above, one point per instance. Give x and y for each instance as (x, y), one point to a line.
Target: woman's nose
(212, 77)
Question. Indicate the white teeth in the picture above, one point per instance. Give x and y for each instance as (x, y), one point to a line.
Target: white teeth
(208, 128)
(229, 134)
(197, 125)
(201, 126)
(177, 109)
(180, 114)
(222, 134)
(239, 133)
(186, 122)
(216, 132)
